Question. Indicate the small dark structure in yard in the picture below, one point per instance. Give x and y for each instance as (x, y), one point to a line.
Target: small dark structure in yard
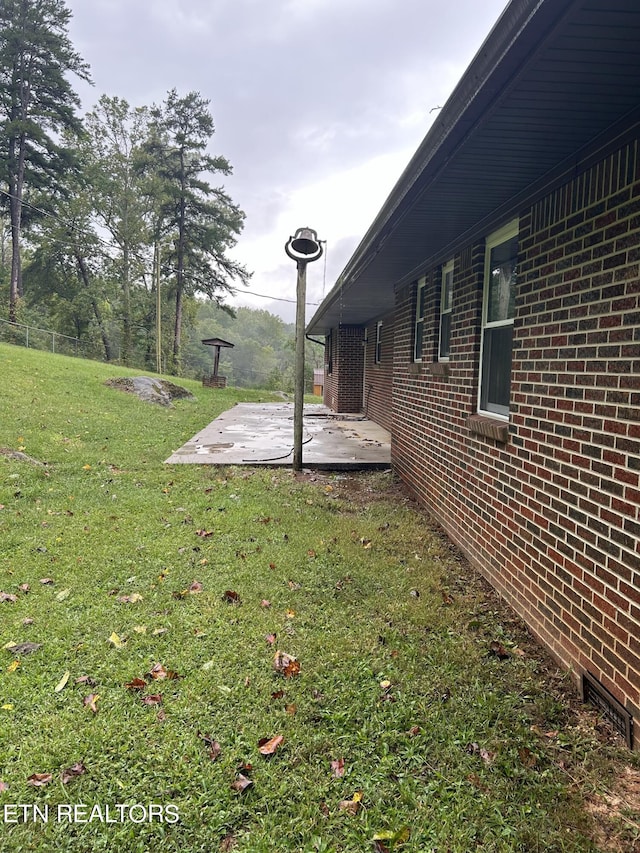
(215, 381)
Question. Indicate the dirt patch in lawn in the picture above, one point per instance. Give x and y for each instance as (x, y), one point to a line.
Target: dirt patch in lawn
(616, 814)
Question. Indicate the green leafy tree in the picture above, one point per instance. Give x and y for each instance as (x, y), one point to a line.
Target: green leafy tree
(202, 221)
(37, 105)
(115, 134)
(66, 270)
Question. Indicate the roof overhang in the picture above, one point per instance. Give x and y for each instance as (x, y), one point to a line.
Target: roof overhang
(551, 84)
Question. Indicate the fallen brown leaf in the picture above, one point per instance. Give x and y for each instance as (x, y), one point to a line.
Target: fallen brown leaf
(497, 650)
(136, 684)
(158, 672)
(337, 768)
(73, 772)
(91, 701)
(8, 596)
(351, 806)
(268, 746)
(241, 783)
(215, 750)
(152, 699)
(231, 597)
(291, 669)
(39, 780)
(23, 648)
(285, 663)
(476, 749)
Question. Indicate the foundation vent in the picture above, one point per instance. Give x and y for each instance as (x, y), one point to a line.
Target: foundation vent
(621, 720)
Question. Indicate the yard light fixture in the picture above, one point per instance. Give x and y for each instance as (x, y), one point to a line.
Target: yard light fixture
(304, 247)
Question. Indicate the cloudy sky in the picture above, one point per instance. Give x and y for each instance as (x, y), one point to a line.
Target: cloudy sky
(318, 104)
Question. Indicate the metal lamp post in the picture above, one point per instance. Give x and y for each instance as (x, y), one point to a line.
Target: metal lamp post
(304, 247)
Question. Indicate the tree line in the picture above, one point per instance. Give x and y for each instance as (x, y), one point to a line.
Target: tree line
(111, 229)
(263, 352)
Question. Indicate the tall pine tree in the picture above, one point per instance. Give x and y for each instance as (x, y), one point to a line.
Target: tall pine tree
(37, 106)
(201, 220)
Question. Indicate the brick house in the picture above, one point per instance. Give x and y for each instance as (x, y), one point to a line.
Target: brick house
(490, 320)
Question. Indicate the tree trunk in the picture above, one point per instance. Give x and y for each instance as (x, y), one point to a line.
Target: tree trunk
(14, 289)
(126, 307)
(84, 275)
(16, 184)
(15, 208)
(177, 332)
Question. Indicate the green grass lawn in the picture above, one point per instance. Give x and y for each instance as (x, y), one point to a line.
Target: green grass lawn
(415, 713)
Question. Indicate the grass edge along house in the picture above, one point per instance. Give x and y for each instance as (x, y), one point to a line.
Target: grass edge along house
(490, 320)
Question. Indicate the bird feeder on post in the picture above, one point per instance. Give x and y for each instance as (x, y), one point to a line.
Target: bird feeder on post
(215, 381)
(304, 247)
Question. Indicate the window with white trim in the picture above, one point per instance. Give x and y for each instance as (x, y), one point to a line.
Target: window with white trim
(501, 261)
(378, 356)
(446, 305)
(418, 331)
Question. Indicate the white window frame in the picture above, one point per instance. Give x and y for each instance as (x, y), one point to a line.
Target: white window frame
(378, 351)
(507, 232)
(418, 327)
(445, 310)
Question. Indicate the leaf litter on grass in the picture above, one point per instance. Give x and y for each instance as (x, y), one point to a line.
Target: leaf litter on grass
(344, 552)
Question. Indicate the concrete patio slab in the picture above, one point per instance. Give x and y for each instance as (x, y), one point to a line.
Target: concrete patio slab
(262, 434)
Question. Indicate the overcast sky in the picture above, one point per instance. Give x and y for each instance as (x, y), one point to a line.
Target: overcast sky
(318, 104)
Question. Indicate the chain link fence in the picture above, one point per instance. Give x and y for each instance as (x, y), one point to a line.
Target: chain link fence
(44, 339)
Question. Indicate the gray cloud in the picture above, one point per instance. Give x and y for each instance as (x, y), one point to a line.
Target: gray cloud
(299, 89)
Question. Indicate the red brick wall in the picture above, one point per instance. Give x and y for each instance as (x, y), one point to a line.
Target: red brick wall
(552, 515)
(378, 378)
(343, 386)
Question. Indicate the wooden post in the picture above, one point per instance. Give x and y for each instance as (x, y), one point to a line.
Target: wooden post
(298, 401)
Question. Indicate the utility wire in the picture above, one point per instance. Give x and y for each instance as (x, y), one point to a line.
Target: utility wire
(113, 245)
